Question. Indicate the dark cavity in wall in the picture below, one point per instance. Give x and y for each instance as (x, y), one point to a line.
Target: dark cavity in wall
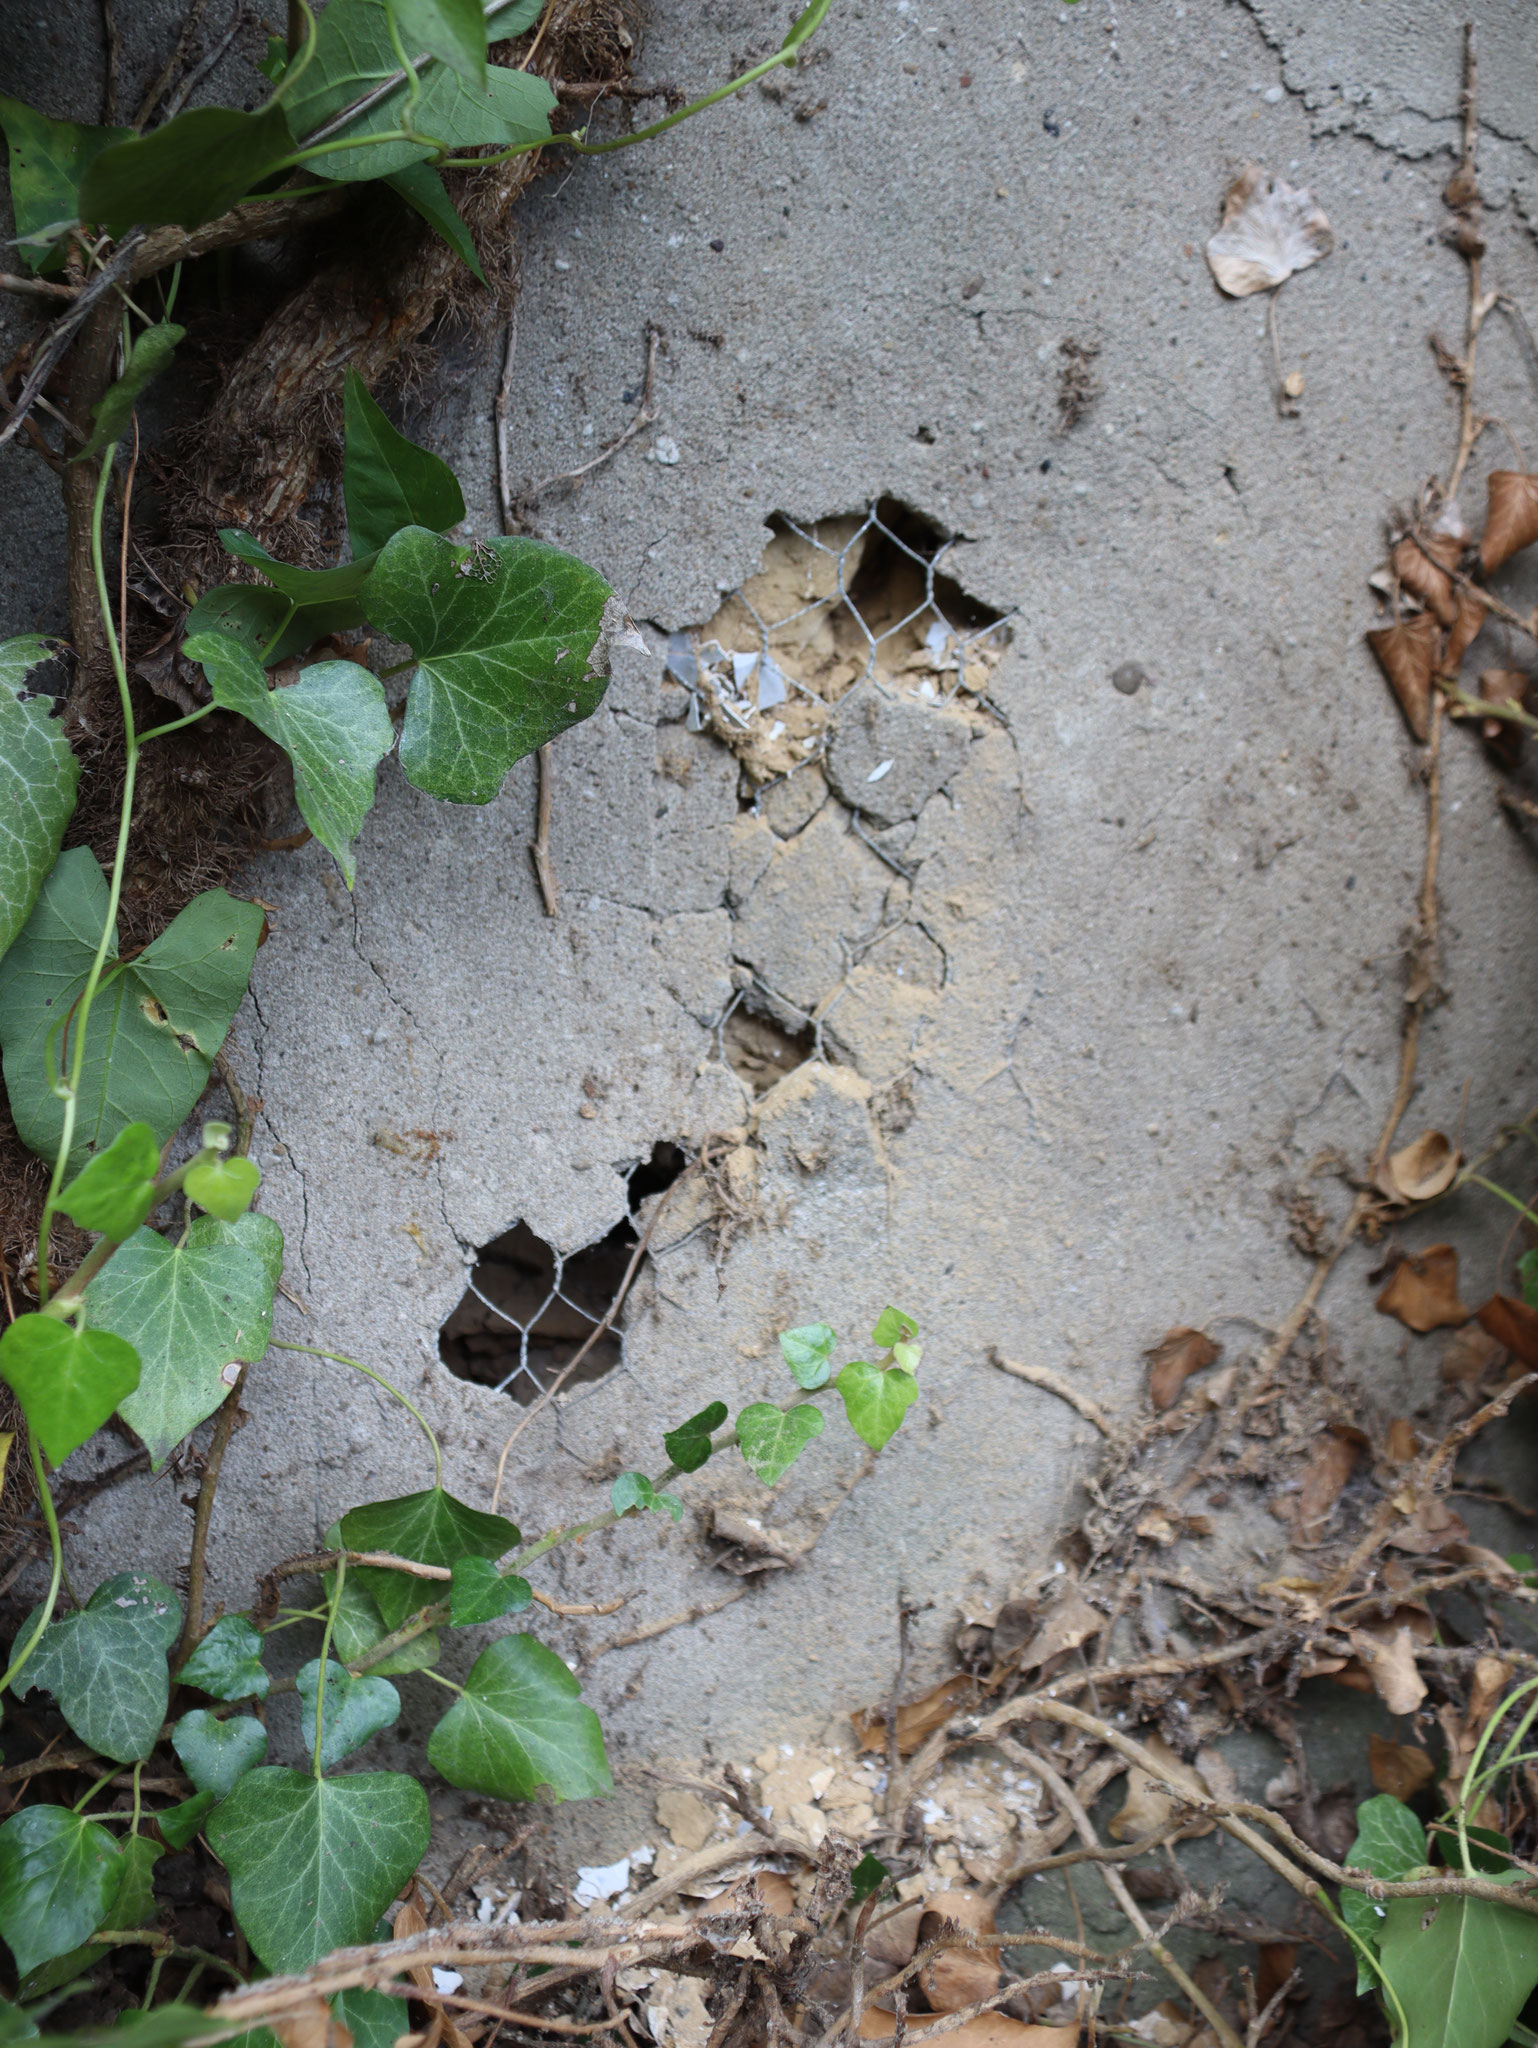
(760, 1051)
(530, 1309)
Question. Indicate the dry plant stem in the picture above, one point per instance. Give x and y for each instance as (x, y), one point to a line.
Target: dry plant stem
(1115, 1884)
(649, 1631)
(1053, 1383)
(645, 413)
(173, 63)
(114, 44)
(37, 287)
(539, 851)
(1469, 421)
(577, 1357)
(197, 1569)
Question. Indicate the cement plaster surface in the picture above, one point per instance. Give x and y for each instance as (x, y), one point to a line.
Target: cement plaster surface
(1171, 922)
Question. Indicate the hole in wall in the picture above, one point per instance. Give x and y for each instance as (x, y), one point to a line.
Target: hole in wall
(760, 1051)
(529, 1309)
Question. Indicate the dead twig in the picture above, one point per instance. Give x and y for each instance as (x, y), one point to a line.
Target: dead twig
(1053, 1383)
(643, 416)
(224, 1429)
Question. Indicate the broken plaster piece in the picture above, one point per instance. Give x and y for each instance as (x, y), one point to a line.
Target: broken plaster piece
(1270, 229)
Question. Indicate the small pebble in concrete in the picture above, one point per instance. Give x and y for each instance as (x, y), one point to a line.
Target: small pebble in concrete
(1129, 678)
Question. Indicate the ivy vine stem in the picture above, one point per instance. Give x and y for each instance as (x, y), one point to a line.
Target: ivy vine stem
(56, 1573)
(325, 1652)
(368, 1372)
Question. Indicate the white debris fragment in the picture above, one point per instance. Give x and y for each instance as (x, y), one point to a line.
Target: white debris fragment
(1270, 229)
(882, 768)
(743, 666)
(665, 450)
(446, 1980)
(771, 686)
(937, 637)
(599, 1882)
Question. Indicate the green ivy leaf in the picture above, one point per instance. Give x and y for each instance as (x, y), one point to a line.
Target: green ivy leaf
(68, 1381)
(689, 1445)
(193, 169)
(289, 611)
(48, 160)
(217, 1754)
(893, 1327)
(479, 1592)
(1390, 1842)
(227, 1663)
(422, 188)
(429, 1528)
(161, 1018)
(115, 1191)
(389, 482)
(771, 1439)
(150, 355)
(354, 1710)
(867, 1878)
(359, 1625)
(16, 2025)
(106, 1664)
(807, 1351)
(1463, 1978)
(181, 1824)
(38, 774)
(256, 616)
(194, 1312)
(453, 31)
(133, 1907)
(59, 1876)
(511, 644)
(354, 53)
(635, 1490)
(373, 2018)
(224, 1187)
(1527, 1272)
(875, 1400)
(333, 724)
(313, 1862)
(520, 1724)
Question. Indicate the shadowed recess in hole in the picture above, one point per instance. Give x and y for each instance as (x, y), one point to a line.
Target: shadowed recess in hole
(529, 1309)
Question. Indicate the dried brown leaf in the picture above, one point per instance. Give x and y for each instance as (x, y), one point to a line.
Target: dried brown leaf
(1469, 1355)
(1422, 1291)
(1513, 1324)
(1278, 1960)
(1401, 1768)
(1409, 653)
(915, 1718)
(1427, 1530)
(1270, 229)
(1146, 1807)
(958, 1976)
(1387, 1649)
(892, 1940)
(1331, 1463)
(1172, 1361)
(992, 2030)
(312, 2026)
(1069, 1626)
(1403, 1443)
(1463, 632)
(1421, 562)
(1511, 516)
(1421, 1170)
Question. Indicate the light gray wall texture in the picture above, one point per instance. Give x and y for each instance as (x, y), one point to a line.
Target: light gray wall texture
(1171, 922)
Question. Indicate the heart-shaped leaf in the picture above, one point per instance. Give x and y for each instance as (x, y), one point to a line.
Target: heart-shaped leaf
(635, 1490)
(68, 1381)
(1461, 1969)
(479, 1592)
(519, 1724)
(150, 355)
(373, 2018)
(511, 639)
(353, 1710)
(38, 774)
(454, 31)
(106, 1664)
(333, 724)
(59, 1876)
(771, 1439)
(193, 1312)
(48, 160)
(388, 481)
(1390, 1842)
(430, 1528)
(217, 1754)
(689, 1445)
(875, 1400)
(181, 1824)
(354, 55)
(156, 1022)
(807, 1351)
(191, 170)
(224, 1187)
(227, 1663)
(115, 1191)
(297, 608)
(893, 1326)
(313, 1862)
(358, 1625)
(422, 188)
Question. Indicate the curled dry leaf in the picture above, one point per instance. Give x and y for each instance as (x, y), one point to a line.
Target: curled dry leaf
(411, 1920)
(1514, 1325)
(1399, 1768)
(1428, 1530)
(312, 2026)
(1422, 1291)
(1387, 1649)
(915, 1718)
(958, 1976)
(1421, 1170)
(1270, 229)
(1403, 1443)
(992, 2030)
(1511, 516)
(1331, 1463)
(1421, 562)
(1465, 628)
(1172, 1361)
(1070, 1625)
(1408, 653)
(1471, 1352)
(1147, 1806)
